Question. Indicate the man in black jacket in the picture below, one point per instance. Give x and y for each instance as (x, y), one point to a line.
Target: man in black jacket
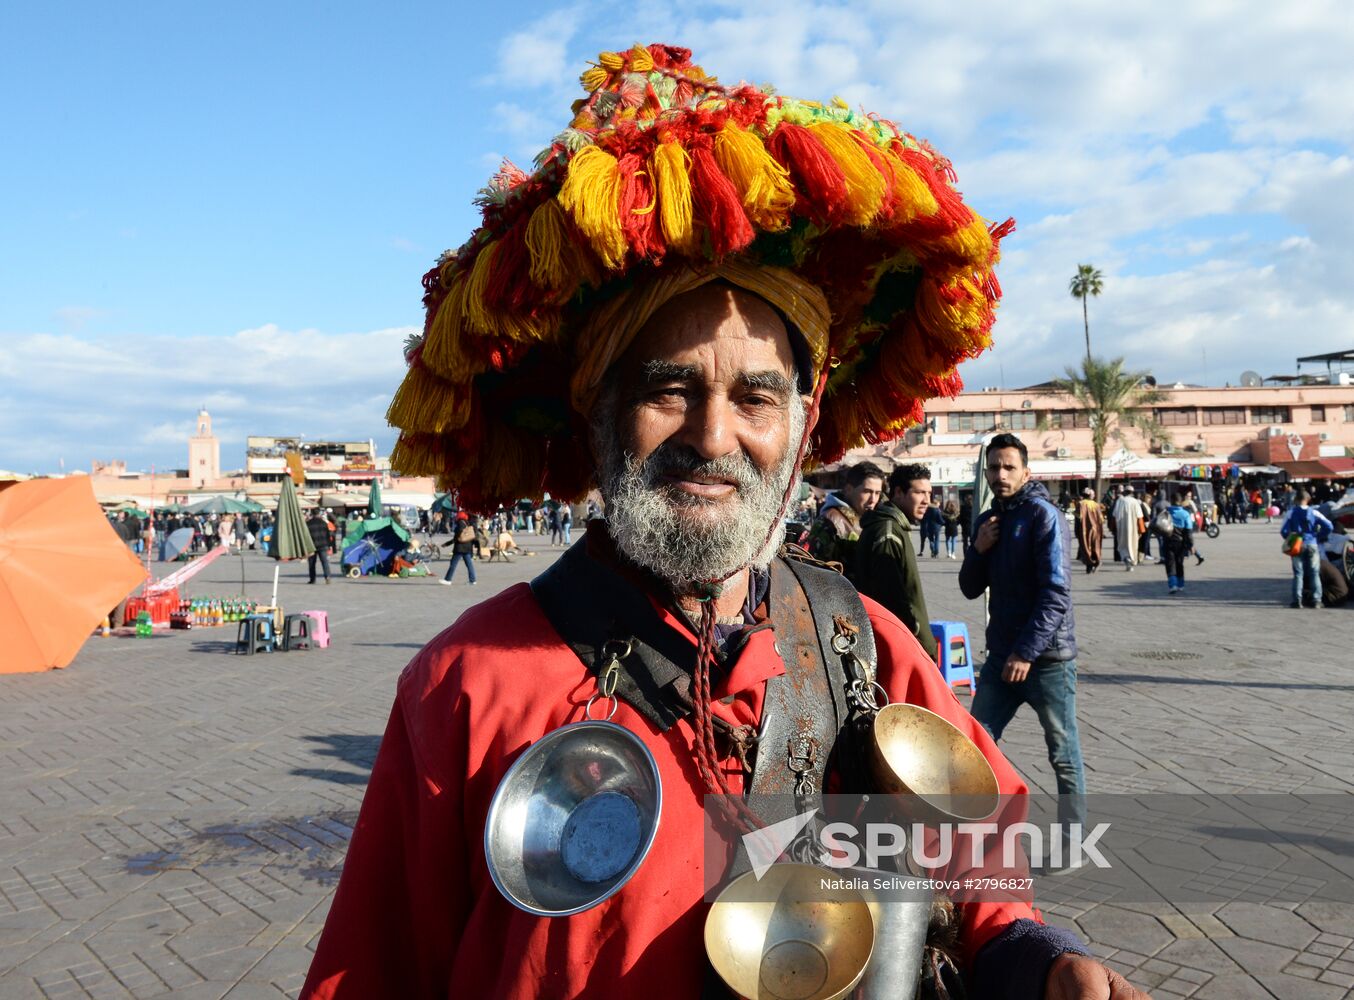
(885, 568)
(1021, 554)
(319, 534)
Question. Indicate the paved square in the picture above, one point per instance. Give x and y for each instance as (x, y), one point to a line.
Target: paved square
(173, 817)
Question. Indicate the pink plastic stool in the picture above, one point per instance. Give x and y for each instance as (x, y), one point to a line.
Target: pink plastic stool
(319, 632)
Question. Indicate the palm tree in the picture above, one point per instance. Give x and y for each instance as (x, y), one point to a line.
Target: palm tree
(1087, 281)
(1115, 401)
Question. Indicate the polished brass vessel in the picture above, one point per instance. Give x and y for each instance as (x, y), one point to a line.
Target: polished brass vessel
(788, 937)
(924, 756)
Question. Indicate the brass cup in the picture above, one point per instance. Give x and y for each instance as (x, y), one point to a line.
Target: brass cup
(785, 937)
(920, 754)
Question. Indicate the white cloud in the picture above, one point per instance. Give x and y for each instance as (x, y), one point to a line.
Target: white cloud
(88, 397)
(537, 57)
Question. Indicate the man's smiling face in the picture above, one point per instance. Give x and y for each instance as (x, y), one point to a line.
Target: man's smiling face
(696, 438)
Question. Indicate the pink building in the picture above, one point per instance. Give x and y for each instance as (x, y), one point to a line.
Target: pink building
(1303, 430)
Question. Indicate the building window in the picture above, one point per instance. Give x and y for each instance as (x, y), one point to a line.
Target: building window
(1224, 415)
(977, 422)
(1020, 420)
(1318, 414)
(1349, 413)
(1185, 417)
(1066, 420)
(1270, 415)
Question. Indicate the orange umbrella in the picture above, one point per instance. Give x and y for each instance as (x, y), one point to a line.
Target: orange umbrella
(62, 569)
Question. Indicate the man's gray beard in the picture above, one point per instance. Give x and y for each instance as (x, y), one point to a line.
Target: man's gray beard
(662, 530)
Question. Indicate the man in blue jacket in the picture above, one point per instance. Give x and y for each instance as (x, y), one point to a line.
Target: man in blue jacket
(1305, 520)
(1021, 553)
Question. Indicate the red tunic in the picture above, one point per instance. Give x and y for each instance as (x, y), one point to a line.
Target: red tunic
(416, 913)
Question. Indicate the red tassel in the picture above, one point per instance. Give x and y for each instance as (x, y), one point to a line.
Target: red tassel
(1001, 230)
(718, 204)
(952, 212)
(639, 218)
(505, 290)
(817, 178)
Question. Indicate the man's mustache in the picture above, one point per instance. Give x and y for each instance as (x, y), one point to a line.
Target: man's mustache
(668, 459)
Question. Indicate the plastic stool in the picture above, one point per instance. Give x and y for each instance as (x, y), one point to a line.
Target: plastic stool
(954, 655)
(297, 633)
(319, 627)
(255, 635)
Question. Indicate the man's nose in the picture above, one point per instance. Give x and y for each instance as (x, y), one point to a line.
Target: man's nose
(709, 427)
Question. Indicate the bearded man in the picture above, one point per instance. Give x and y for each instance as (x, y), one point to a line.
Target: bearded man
(699, 377)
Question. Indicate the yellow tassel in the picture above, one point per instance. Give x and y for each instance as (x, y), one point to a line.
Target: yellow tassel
(591, 193)
(593, 79)
(640, 59)
(426, 404)
(864, 182)
(445, 327)
(949, 324)
(764, 185)
(548, 243)
(611, 61)
(670, 167)
(478, 317)
(972, 242)
(912, 198)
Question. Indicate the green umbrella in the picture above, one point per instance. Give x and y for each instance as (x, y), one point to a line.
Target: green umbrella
(291, 537)
(130, 509)
(225, 505)
(445, 503)
(374, 499)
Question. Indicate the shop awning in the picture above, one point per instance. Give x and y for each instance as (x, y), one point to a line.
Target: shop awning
(1320, 468)
(322, 477)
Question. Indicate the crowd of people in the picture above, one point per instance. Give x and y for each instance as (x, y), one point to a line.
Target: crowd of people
(236, 531)
(1019, 553)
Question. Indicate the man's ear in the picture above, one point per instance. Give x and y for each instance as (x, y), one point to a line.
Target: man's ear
(812, 421)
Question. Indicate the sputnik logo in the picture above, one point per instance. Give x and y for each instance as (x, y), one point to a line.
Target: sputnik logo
(765, 846)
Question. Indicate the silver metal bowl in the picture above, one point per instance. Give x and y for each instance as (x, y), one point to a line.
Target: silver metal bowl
(573, 819)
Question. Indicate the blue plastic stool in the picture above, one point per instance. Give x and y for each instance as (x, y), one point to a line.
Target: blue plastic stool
(954, 655)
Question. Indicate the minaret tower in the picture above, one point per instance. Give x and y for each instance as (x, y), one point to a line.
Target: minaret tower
(204, 452)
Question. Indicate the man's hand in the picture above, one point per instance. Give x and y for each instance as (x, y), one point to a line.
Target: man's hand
(1076, 977)
(987, 535)
(1016, 669)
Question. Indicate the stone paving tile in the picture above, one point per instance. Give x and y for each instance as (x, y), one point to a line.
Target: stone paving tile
(173, 817)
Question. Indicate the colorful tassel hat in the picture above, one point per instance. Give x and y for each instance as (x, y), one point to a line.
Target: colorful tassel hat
(663, 180)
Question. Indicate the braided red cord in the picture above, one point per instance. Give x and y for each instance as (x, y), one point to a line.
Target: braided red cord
(707, 758)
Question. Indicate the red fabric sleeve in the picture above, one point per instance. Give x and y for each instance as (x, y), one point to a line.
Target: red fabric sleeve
(909, 675)
(402, 900)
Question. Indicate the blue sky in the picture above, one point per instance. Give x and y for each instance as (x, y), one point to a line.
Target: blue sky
(233, 205)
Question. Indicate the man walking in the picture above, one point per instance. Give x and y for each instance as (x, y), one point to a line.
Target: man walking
(1314, 528)
(465, 546)
(833, 535)
(1128, 514)
(1175, 525)
(1090, 530)
(931, 524)
(885, 568)
(319, 534)
(1021, 555)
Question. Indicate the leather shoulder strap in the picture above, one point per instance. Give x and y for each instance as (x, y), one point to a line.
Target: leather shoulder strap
(591, 606)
